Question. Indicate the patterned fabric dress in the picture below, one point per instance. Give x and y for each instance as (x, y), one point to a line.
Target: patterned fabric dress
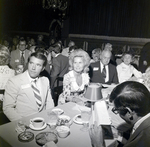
(71, 90)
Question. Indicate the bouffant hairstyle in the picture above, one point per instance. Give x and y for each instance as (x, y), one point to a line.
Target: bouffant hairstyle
(85, 57)
(4, 55)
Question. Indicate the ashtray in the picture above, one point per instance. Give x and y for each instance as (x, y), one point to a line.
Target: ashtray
(26, 136)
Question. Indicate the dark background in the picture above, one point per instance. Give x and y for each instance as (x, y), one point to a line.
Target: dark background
(123, 18)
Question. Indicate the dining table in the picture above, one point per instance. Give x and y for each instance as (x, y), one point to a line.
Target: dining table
(76, 138)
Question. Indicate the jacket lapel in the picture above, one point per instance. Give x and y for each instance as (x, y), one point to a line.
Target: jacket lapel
(26, 84)
(143, 126)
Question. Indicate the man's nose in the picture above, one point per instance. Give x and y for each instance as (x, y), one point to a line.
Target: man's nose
(33, 66)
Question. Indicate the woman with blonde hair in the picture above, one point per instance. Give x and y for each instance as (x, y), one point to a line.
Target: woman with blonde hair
(5, 71)
(77, 79)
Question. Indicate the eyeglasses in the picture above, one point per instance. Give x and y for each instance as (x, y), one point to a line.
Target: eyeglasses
(121, 111)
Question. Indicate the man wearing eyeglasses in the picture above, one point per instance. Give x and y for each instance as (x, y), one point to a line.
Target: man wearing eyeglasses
(20, 55)
(132, 102)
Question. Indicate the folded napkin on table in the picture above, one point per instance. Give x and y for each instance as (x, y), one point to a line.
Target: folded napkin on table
(100, 113)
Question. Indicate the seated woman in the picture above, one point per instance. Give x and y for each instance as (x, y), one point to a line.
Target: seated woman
(96, 55)
(77, 79)
(126, 70)
(5, 71)
(146, 78)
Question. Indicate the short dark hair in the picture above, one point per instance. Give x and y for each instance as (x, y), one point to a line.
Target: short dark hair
(133, 95)
(72, 48)
(39, 55)
(22, 39)
(56, 48)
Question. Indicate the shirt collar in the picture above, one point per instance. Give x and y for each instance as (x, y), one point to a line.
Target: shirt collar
(137, 124)
(31, 79)
(102, 65)
(57, 54)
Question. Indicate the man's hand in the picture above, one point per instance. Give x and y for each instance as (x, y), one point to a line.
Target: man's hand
(96, 135)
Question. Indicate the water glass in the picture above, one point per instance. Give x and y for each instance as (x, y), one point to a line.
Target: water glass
(85, 116)
(52, 120)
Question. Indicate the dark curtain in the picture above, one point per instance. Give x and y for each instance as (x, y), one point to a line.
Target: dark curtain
(124, 18)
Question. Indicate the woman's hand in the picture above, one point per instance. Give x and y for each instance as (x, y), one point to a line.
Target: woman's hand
(96, 135)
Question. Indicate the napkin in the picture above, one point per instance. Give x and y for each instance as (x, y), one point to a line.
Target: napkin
(100, 114)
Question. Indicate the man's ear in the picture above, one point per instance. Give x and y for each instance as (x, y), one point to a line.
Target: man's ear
(130, 111)
(43, 68)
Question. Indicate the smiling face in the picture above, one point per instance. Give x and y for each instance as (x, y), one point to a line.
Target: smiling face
(127, 59)
(78, 64)
(35, 66)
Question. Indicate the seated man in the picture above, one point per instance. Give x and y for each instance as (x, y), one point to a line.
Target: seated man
(103, 71)
(60, 65)
(20, 55)
(132, 102)
(27, 93)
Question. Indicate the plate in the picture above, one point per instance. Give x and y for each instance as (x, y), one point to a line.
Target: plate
(77, 119)
(64, 120)
(44, 137)
(58, 111)
(36, 129)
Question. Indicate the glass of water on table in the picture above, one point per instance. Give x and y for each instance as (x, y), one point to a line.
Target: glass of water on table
(85, 117)
(52, 120)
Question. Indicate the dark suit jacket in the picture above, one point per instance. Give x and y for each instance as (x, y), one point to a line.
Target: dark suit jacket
(144, 56)
(60, 65)
(15, 58)
(96, 75)
(141, 136)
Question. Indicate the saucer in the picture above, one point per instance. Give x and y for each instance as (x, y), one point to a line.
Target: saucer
(36, 129)
(77, 119)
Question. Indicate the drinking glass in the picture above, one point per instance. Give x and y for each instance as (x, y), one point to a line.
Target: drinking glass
(85, 116)
(20, 127)
(52, 120)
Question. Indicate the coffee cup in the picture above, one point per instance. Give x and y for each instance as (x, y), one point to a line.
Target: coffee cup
(37, 122)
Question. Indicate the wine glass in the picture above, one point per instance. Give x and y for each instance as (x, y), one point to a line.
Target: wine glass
(85, 117)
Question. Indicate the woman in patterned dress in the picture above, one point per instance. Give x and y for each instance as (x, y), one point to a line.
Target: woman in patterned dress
(77, 79)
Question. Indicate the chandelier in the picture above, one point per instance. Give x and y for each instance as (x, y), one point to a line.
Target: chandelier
(55, 4)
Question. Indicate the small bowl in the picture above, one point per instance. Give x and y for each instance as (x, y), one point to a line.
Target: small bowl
(63, 131)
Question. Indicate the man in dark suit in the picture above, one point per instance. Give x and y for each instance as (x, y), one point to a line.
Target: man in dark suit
(132, 102)
(60, 65)
(103, 71)
(16, 55)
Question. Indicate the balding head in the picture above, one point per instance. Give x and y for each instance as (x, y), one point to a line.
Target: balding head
(105, 57)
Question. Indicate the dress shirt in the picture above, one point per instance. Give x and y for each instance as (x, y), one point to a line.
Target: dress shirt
(38, 84)
(107, 71)
(23, 53)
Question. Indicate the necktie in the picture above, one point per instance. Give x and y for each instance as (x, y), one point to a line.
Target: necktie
(104, 72)
(36, 93)
(22, 58)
